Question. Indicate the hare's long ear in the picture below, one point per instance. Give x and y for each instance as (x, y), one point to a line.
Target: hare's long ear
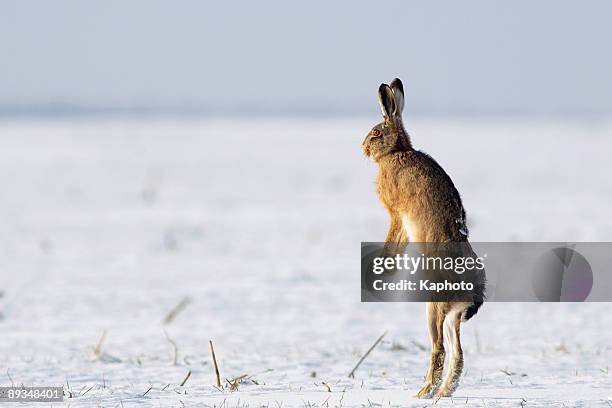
(398, 94)
(386, 101)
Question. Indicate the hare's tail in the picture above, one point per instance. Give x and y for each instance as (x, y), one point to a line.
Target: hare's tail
(479, 296)
(471, 311)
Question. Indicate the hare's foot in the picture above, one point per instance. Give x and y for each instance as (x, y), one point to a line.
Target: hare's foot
(433, 379)
(452, 379)
(426, 391)
(444, 392)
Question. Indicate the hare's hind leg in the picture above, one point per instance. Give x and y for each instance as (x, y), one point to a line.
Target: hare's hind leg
(435, 320)
(455, 366)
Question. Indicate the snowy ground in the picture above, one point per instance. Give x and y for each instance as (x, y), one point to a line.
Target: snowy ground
(106, 226)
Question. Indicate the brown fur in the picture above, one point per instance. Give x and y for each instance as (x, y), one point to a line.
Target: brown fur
(424, 207)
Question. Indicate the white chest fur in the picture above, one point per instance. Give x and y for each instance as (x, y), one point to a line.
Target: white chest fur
(409, 228)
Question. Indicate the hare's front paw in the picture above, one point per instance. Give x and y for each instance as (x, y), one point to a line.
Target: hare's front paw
(426, 391)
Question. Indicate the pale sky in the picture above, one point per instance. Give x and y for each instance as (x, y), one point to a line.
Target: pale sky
(520, 56)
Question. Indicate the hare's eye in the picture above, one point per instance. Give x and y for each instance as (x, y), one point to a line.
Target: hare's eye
(376, 133)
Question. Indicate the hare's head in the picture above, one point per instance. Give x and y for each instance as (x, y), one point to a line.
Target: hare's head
(388, 136)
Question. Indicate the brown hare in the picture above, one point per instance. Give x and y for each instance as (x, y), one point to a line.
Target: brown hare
(424, 207)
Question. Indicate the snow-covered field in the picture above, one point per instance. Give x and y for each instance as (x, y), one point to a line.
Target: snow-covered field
(106, 226)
